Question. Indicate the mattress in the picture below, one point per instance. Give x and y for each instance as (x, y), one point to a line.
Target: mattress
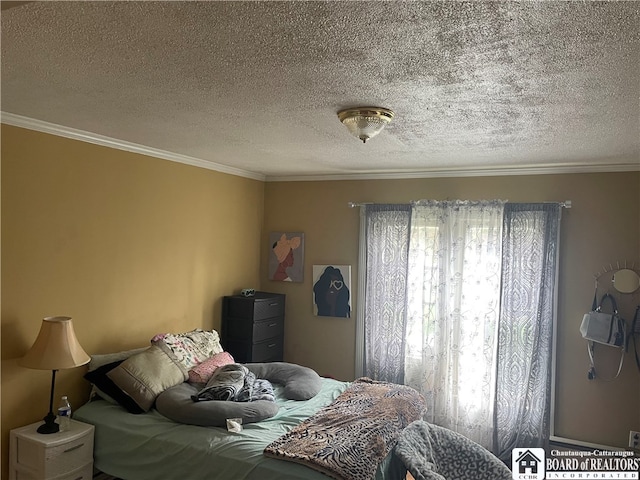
(149, 446)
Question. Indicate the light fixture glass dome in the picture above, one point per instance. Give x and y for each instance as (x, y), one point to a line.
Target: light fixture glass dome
(365, 122)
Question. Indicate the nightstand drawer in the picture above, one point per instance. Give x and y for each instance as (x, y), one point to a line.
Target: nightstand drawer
(82, 473)
(57, 459)
(63, 458)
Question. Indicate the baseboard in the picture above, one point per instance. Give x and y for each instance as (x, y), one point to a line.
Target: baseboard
(574, 444)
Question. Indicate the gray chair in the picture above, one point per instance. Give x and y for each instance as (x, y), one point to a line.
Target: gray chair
(431, 452)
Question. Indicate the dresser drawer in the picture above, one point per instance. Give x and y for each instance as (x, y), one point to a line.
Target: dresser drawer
(270, 328)
(252, 331)
(260, 307)
(268, 351)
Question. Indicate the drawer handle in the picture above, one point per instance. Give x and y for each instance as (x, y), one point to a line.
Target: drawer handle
(275, 304)
(273, 324)
(271, 345)
(73, 448)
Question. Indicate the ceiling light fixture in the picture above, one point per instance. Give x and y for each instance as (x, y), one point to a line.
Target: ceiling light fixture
(365, 122)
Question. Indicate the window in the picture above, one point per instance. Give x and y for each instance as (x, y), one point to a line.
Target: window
(460, 304)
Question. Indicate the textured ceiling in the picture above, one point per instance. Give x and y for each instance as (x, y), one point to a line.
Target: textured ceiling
(476, 86)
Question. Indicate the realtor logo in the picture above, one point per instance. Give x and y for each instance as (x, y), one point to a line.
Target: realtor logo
(527, 463)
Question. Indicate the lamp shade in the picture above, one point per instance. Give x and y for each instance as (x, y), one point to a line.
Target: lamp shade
(56, 347)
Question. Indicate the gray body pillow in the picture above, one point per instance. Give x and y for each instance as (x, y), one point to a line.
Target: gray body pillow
(300, 383)
(176, 403)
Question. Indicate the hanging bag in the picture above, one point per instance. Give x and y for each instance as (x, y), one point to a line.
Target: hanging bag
(605, 328)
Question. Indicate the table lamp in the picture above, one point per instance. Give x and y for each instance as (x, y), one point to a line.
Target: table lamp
(55, 348)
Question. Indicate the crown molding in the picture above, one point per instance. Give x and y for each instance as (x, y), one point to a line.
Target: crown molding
(96, 139)
(485, 172)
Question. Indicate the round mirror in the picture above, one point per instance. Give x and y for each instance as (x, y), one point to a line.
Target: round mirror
(626, 281)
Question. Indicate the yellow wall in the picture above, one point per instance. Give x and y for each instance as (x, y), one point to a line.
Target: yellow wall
(126, 245)
(602, 227)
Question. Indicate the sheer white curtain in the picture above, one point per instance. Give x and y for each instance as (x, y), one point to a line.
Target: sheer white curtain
(453, 300)
(460, 303)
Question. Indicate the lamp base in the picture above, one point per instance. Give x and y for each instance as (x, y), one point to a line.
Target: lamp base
(49, 425)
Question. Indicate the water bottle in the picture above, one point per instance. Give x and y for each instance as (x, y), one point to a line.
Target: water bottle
(64, 414)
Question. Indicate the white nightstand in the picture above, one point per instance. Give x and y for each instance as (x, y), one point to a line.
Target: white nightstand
(60, 456)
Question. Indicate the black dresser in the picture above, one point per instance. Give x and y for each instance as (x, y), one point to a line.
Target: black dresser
(253, 327)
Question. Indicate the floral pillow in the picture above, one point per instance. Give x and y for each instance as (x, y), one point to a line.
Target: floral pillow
(191, 348)
(204, 371)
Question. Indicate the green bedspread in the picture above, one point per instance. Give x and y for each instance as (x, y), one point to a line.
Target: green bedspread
(151, 447)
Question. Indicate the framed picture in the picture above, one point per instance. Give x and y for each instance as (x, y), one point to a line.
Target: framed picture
(286, 256)
(332, 290)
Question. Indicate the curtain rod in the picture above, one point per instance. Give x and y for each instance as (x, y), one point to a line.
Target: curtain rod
(565, 204)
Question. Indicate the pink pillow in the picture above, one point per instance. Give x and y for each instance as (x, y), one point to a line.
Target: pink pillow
(202, 373)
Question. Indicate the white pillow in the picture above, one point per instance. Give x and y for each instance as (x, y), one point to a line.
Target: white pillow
(146, 375)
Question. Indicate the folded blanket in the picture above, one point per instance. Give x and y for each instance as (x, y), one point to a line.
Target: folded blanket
(255, 389)
(224, 384)
(431, 452)
(236, 383)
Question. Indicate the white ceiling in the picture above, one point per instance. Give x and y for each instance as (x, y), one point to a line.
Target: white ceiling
(253, 88)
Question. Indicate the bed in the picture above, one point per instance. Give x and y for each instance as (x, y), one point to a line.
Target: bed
(150, 446)
(149, 425)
